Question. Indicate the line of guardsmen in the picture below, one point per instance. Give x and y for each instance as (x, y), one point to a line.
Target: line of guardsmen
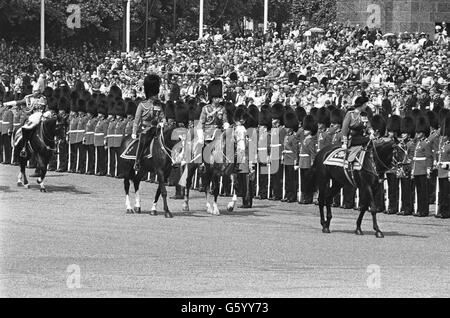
(287, 143)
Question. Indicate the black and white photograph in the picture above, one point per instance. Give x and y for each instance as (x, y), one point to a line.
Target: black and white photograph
(212, 151)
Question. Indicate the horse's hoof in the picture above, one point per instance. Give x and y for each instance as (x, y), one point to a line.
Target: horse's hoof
(43, 191)
(153, 213)
(39, 181)
(359, 232)
(230, 207)
(137, 210)
(130, 211)
(326, 230)
(379, 234)
(168, 215)
(26, 186)
(186, 209)
(19, 184)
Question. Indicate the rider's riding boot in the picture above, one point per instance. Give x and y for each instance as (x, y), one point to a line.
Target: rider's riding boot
(137, 164)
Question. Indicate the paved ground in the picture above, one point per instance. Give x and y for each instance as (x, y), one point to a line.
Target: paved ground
(273, 250)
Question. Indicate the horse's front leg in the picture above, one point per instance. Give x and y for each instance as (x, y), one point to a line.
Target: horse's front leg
(187, 190)
(40, 180)
(216, 181)
(163, 190)
(155, 201)
(322, 198)
(126, 185)
(137, 204)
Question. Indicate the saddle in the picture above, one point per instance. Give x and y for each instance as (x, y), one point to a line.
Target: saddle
(353, 161)
(131, 151)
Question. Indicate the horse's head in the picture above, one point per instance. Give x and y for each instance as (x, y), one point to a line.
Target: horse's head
(384, 155)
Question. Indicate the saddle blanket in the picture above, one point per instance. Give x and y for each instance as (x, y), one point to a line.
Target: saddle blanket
(337, 158)
(131, 151)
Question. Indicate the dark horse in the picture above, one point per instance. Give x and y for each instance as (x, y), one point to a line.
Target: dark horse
(375, 163)
(160, 163)
(211, 170)
(41, 144)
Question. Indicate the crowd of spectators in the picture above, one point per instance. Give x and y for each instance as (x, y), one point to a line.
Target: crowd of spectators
(310, 67)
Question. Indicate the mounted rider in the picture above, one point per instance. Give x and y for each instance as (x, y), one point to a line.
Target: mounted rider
(355, 129)
(36, 105)
(213, 117)
(149, 114)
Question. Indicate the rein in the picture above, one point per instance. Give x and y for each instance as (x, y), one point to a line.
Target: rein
(378, 157)
(164, 148)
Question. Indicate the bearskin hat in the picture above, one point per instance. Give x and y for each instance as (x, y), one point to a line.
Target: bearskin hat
(115, 91)
(102, 109)
(253, 117)
(433, 119)
(360, 101)
(64, 104)
(310, 123)
(277, 111)
(337, 117)
(112, 107)
(230, 108)
(314, 112)
(194, 110)
(151, 85)
(81, 105)
(52, 103)
(416, 113)
(48, 92)
(394, 124)
(240, 114)
(408, 127)
(379, 124)
(131, 108)
(265, 117)
(181, 113)
(301, 113)
(87, 96)
(323, 117)
(120, 108)
(445, 127)
(57, 93)
(291, 120)
(170, 110)
(91, 107)
(215, 89)
(423, 126)
(233, 77)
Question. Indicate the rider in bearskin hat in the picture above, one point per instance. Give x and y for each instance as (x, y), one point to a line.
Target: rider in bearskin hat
(149, 114)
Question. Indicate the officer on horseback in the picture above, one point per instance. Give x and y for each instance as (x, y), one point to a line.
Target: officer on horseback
(355, 127)
(213, 116)
(149, 114)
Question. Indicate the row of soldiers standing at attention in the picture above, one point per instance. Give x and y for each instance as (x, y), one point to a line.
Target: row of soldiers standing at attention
(288, 140)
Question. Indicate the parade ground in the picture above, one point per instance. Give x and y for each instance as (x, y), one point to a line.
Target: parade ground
(77, 241)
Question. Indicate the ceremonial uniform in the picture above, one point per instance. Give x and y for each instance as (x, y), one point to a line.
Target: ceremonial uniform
(101, 129)
(290, 155)
(444, 174)
(265, 123)
(109, 142)
(6, 133)
(89, 137)
(394, 132)
(82, 149)
(119, 133)
(307, 155)
(2, 110)
(277, 135)
(73, 143)
(17, 123)
(407, 146)
(434, 141)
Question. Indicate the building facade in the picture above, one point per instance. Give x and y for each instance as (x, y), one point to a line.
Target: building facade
(395, 15)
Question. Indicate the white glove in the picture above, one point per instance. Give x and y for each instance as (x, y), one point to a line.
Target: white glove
(344, 146)
(201, 137)
(134, 136)
(226, 126)
(161, 125)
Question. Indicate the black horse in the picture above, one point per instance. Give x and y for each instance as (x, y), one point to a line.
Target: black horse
(375, 163)
(160, 163)
(212, 166)
(40, 142)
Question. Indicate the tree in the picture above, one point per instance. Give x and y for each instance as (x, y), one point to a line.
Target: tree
(317, 12)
